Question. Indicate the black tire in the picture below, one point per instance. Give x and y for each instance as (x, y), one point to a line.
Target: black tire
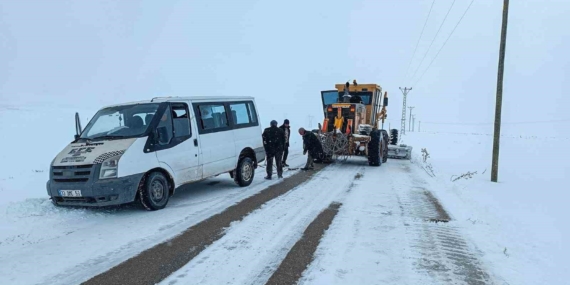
(374, 158)
(154, 193)
(384, 143)
(393, 137)
(245, 172)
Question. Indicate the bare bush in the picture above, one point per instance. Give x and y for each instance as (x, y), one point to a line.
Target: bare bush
(426, 165)
(465, 176)
(425, 154)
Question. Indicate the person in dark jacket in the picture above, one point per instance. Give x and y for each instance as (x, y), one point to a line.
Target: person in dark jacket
(274, 142)
(312, 147)
(287, 129)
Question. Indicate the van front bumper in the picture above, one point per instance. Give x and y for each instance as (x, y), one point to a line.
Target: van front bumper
(96, 193)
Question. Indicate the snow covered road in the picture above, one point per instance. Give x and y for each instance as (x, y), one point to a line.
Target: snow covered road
(389, 230)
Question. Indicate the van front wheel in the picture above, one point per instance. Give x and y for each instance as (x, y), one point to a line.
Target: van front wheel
(154, 193)
(244, 172)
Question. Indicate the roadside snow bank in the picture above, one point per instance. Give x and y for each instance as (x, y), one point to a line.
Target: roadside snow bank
(519, 223)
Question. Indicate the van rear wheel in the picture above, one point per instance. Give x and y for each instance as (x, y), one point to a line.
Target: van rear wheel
(244, 172)
(155, 192)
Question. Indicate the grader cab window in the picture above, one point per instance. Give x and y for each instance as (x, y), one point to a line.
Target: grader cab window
(366, 96)
(334, 96)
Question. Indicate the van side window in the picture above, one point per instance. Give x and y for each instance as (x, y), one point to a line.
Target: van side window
(240, 113)
(213, 116)
(164, 128)
(181, 120)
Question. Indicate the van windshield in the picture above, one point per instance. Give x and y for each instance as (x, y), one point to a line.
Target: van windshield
(119, 122)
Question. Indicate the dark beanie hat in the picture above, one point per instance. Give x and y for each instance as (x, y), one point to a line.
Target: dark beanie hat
(286, 121)
(273, 123)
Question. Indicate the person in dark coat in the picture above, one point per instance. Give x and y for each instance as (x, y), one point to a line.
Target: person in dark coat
(274, 143)
(312, 147)
(287, 129)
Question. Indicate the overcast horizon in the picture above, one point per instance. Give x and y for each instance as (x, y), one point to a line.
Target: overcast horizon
(90, 54)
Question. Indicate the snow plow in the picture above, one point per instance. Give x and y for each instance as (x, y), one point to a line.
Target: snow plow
(352, 126)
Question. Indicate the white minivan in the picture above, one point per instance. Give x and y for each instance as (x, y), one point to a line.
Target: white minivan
(143, 151)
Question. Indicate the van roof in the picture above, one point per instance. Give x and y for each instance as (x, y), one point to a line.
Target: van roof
(191, 98)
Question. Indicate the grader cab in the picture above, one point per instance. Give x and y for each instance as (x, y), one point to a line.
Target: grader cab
(352, 125)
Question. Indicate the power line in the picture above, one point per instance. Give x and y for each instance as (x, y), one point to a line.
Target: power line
(421, 34)
(432, 41)
(417, 81)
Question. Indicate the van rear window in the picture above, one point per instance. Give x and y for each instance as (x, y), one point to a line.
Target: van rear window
(242, 113)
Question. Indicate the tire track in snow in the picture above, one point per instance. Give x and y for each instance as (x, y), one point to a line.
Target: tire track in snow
(253, 249)
(301, 254)
(445, 255)
(384, 234)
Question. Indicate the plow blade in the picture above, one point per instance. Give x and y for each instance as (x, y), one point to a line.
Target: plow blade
(400, 151)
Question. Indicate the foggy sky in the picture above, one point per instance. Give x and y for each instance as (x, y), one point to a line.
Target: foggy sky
(94, 53)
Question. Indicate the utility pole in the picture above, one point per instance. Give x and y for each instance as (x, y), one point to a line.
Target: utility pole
(499, 102)
(413, 123)
(411, 108)
(310, 117)
(405, 91)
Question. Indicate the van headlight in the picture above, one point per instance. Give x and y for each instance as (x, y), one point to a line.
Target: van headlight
(110, 168)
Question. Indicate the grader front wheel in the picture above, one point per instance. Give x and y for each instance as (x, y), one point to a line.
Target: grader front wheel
(374, 154)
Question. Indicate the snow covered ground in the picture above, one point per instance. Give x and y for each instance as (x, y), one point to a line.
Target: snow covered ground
(511, 232)
(519, 224)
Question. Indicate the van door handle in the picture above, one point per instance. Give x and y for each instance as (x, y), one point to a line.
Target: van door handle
(195, 142)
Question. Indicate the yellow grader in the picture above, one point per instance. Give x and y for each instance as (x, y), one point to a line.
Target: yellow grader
(353, 119)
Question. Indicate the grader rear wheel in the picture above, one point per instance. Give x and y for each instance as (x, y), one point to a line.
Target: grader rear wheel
(393, 137)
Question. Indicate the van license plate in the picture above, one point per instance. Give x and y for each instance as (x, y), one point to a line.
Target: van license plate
(70, 193)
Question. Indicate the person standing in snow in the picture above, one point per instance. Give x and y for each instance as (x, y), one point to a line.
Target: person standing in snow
(287, 130)
(312, 147)
(274, 143)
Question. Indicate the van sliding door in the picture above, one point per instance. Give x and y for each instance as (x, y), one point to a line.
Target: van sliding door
(216, 138)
